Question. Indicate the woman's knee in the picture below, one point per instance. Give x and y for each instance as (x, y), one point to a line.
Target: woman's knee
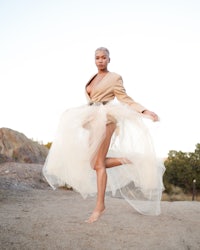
(99, 167)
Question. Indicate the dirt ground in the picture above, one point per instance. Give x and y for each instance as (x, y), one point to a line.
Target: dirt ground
(47, 219)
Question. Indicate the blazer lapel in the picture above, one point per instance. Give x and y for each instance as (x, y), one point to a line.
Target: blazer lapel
(100, 85)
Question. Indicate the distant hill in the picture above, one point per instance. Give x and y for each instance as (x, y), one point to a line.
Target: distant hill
(16, 147)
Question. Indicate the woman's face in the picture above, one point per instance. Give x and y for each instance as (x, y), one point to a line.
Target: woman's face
(101, 59)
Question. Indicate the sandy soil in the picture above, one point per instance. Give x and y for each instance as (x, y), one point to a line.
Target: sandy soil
(47, 219)
(33, 216)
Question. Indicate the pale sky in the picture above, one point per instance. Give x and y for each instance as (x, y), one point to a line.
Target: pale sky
(47, 57)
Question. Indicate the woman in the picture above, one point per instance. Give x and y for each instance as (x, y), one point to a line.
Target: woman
(100, 137)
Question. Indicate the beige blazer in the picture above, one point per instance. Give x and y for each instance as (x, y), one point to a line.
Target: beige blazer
(108, 88)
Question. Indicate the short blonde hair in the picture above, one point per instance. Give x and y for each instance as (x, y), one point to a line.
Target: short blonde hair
(103, 49)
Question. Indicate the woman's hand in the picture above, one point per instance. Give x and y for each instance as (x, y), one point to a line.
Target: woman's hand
(151, 114)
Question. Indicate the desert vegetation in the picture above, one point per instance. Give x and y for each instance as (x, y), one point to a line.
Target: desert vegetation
(182, 175)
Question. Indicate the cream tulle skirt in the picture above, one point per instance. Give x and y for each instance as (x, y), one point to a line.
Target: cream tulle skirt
(79, 135)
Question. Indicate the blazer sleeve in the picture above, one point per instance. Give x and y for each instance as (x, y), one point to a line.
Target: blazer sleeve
(122, 96)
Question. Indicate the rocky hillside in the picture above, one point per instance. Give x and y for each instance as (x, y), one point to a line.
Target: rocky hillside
(16, 147)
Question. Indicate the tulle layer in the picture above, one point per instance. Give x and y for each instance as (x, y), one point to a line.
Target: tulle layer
(80, 132)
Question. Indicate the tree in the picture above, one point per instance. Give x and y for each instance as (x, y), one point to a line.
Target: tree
(182, 168)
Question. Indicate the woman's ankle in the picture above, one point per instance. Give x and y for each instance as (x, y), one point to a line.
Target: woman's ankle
(100, 207)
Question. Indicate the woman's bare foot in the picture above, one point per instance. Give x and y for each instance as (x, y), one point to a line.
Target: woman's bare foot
(95, 216)
(125, 161)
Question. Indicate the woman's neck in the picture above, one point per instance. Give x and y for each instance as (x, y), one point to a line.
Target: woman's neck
(102, 72)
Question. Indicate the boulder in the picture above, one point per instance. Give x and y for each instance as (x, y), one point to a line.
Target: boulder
(16, 147)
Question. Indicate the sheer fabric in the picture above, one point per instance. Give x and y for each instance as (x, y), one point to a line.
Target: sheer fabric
(80, 132)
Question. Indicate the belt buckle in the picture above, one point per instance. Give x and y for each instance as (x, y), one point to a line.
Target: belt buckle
(95, 103)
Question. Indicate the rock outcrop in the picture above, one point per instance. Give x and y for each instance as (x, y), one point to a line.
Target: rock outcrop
(16, 147)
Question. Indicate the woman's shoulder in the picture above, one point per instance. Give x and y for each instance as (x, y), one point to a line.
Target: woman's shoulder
(115, 75)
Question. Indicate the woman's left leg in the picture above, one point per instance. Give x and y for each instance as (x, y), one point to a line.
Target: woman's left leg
(100, 167)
